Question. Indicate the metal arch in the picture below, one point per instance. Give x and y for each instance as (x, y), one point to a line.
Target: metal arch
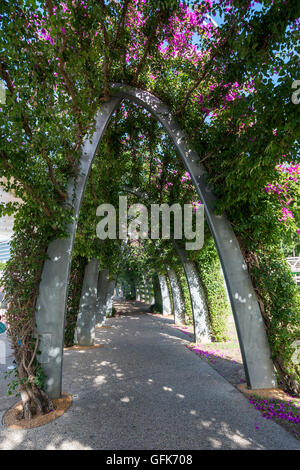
(53, 292)
(250, 327)
(51, 303)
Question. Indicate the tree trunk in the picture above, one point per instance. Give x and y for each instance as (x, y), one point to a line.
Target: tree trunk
(35, 401)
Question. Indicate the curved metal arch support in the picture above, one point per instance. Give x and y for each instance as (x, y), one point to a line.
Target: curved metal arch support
(53, 292)
(148, 289)
(86, 319)
(166, 300)
(51, 303)
(158, 301)
(177, 296)
(145, 296)
(151, 291)
(250, 327)
(102, 289)
(202, 329)
(137, 292)
(109, 297)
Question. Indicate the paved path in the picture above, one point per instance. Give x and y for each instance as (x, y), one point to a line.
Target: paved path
(145, 390)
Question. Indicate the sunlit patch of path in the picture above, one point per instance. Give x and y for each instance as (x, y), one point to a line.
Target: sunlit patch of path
(145, 390)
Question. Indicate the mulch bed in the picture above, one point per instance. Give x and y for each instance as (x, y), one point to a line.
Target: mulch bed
(83, 348)
(11, 421)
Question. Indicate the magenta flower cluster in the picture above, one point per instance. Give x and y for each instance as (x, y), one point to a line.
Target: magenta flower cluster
(273, 409)
(291, 173)
(207, 353)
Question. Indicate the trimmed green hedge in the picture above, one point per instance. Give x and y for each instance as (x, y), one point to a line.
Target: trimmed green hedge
(281, 312)
(74, 295)
(209, 266)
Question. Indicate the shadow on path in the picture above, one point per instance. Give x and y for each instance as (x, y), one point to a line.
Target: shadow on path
(145, 390)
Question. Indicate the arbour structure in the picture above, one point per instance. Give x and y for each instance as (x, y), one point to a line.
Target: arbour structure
(51, 303)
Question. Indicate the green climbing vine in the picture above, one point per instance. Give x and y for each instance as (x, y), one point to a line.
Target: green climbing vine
(209, 267)
(186, 294)
(74, 294)
(280, 308)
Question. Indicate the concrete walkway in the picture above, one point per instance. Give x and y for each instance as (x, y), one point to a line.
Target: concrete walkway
(145, 390)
